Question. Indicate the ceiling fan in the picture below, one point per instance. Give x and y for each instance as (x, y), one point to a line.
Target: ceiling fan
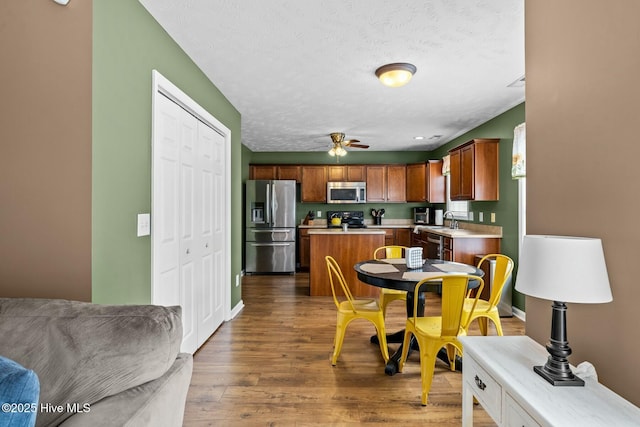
(339, 143)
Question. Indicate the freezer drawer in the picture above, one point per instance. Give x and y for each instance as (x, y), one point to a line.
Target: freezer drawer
(272, 257)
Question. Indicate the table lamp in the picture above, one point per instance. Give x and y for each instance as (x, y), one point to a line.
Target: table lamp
(562, 269)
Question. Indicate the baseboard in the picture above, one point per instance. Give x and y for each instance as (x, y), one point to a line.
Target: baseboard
(519, 314)
(236, 310)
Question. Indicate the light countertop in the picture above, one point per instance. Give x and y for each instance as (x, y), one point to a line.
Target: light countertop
(332, 231)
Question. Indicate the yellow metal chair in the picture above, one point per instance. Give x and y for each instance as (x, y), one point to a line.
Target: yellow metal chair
(488, 309)
(433, 333)
(389, 295)
(350, 309)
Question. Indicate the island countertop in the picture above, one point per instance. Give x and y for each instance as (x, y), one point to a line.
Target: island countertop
(338, 231)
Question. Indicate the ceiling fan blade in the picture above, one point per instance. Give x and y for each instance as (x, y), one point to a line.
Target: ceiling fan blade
(358, 146)
(349, 141)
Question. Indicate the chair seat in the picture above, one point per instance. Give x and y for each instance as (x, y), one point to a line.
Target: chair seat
(394, 292)
(481, 306)
(432, 326)
(360, 305)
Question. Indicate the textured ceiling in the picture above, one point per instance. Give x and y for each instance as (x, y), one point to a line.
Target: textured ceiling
(299, 70)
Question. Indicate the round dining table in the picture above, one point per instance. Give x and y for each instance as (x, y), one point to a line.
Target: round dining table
(394, 274)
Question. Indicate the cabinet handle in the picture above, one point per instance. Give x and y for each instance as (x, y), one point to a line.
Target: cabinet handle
(479, 383)
(188, 251)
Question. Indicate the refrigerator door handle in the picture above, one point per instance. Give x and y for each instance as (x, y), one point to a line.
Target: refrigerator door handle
(267, 212)
(270, 231)
(272, 204)
(270, 244)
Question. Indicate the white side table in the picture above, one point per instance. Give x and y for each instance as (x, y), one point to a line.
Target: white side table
(498, 371)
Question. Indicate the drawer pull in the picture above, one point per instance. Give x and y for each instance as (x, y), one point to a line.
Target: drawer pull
(479, 383)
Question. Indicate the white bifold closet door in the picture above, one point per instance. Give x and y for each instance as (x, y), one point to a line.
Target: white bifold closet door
(188, 163)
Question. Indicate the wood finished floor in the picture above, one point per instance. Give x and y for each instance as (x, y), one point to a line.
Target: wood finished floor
(270, 367)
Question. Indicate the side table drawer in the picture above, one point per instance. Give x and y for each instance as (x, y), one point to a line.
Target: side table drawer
(516, 416)
(485, 388)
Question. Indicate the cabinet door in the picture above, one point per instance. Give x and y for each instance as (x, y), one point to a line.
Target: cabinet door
(304, 248)
(376, 183)
(403, 237)
(314, 184)
(454, 179)
(337, 173)
(356, 173)
(435, 182)
(396, 183)
(467, 172)
(289, 172)
(263, 172)
(416, 182)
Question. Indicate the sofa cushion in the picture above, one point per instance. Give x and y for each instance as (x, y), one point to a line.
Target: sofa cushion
(19, 390)
(83, 352)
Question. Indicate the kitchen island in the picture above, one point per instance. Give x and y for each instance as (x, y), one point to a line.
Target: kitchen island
(348, 248)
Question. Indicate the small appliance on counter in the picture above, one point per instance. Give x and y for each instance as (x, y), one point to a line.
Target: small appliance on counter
(423, 216)
(438, 220)
(353, 219)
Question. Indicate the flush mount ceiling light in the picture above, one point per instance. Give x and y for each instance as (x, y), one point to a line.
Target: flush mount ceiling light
(397, 74)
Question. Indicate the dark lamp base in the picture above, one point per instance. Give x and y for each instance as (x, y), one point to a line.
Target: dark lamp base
(555, 380)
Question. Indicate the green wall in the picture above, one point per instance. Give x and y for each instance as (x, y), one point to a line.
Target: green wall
(127, 45)
(506, 209)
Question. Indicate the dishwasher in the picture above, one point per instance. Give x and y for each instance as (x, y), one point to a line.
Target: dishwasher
(434, 246)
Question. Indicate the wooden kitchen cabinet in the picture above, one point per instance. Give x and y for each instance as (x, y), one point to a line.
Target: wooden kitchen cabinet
(313, 186)
(465, 249)
(474, 170)
(425, 182)
(351, 173)
(263, 172)
(403, 237)
(290, 172)
(275, 172)
(386, 183)
(304, 248)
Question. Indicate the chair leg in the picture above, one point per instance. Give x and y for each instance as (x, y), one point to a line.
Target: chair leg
(495, 317)
(337, 342)
(427, 365)
(382, 339)
(482, 322)
(451, 356)
(406, 343)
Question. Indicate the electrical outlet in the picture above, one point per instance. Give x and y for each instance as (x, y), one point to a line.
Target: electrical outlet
(480, 216)
(144, 224)
(493, 217)
(237, 280)
(319, 214)
(470, 216)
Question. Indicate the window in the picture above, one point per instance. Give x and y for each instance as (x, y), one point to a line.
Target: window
(460, 209)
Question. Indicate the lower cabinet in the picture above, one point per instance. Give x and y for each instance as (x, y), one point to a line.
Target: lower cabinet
(304, 245)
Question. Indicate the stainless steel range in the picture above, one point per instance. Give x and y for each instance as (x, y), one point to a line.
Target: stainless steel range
(354, 219)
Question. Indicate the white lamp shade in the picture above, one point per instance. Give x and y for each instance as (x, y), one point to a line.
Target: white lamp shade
(562, 268)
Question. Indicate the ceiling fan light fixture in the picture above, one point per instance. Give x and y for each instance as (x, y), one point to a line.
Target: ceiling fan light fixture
(396, 74)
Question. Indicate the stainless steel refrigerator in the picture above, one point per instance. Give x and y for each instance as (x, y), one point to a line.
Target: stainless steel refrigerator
(270, 226)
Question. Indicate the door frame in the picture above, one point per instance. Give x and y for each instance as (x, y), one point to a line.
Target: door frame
(161, 86)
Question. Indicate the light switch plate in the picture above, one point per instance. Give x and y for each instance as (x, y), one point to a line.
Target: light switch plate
(144, 224)
(493, 217)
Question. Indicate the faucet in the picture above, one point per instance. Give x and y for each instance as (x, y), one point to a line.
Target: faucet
(454, 223)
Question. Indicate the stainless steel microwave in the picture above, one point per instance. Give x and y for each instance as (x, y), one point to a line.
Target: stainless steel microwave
(346, 192)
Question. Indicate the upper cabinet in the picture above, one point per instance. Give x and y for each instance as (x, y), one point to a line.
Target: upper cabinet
(351, 173)
(275, 172)
(474, 170)
(425, 182)
(386, 183)
(313, 186)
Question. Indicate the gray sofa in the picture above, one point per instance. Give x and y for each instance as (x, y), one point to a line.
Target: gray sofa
(99, 365)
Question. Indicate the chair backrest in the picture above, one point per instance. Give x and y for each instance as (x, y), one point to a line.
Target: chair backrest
(336, 278)
(503, 269)
(454, 291)
(392, 251)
